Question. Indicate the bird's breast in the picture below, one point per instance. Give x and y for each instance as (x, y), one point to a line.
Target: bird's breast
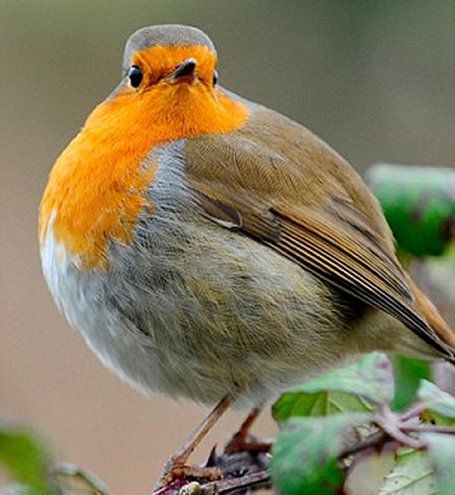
(96, 188)
(94, 195)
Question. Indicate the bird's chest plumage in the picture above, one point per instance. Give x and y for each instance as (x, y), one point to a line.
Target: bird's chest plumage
(94, 195)
(106, 250)
(190, 308)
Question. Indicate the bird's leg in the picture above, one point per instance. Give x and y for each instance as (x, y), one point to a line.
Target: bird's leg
(241, 441)
(176, 467)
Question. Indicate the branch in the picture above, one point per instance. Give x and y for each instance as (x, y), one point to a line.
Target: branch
(252, 481)
(429, 429)
(241, 471)
(375, 440)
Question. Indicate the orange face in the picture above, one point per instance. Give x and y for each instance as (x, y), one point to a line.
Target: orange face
(158, 63)
(96, 188)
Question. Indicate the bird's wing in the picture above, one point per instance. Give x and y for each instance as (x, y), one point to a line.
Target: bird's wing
(308, 205)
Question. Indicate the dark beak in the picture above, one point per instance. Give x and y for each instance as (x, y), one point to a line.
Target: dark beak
(186, 69)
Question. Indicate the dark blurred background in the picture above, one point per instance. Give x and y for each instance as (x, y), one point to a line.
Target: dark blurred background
(374, 78)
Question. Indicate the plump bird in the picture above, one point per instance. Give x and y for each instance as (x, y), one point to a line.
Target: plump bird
(208, 247)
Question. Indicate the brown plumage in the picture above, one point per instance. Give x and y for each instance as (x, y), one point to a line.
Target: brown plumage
(275, 181)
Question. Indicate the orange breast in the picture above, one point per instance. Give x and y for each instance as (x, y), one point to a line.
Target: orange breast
(96, 187)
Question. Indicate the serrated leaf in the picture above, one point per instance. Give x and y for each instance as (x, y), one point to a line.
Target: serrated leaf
(441, 456)
(411, 475)
(354, 388)
(26, 458)
(305, 454)
(440, 405)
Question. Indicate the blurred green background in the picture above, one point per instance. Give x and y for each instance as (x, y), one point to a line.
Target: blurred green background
(374, 78)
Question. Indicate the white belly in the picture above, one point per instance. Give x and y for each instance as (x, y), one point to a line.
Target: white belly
(193, 324)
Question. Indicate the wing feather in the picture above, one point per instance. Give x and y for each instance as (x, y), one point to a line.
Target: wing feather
(332, 228)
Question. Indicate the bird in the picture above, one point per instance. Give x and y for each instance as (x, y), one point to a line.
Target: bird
(210, 248)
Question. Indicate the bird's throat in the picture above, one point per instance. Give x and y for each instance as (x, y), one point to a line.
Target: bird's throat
(96, 188)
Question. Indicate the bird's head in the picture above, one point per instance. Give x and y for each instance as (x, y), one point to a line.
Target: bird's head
(169, 84)
(163, 58)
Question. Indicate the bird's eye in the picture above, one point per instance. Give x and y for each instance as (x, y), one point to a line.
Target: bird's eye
(215, 78)
(135, 76)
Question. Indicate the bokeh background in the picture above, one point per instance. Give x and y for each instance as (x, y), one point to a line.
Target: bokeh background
(375, 78)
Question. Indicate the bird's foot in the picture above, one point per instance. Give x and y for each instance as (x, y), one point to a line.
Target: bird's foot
(242, 441)
(248, 443)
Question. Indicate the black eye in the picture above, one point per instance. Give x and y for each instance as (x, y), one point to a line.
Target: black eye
(135, 76)
(215, 77)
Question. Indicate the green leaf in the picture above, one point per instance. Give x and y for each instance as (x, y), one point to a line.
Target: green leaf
(355, 388)
(440, 405)
(408, 373)
(26, 458)
(411, 475)
(305, 455)
(441, 455)
(418, 204)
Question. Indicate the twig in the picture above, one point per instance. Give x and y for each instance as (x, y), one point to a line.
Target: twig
(372, 441)
(429, 428)
(255, 480)
(414, 411)
(71, 470)
(240, 471)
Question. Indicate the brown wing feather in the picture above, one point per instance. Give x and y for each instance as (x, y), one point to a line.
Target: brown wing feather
(359, 273)
(324, 219)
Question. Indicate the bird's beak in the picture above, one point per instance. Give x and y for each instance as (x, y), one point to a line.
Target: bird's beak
(187, 70)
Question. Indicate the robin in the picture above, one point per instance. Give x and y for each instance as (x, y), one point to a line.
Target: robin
(208, 247)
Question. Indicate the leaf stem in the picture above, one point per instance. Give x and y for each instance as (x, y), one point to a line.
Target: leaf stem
(415, 410)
